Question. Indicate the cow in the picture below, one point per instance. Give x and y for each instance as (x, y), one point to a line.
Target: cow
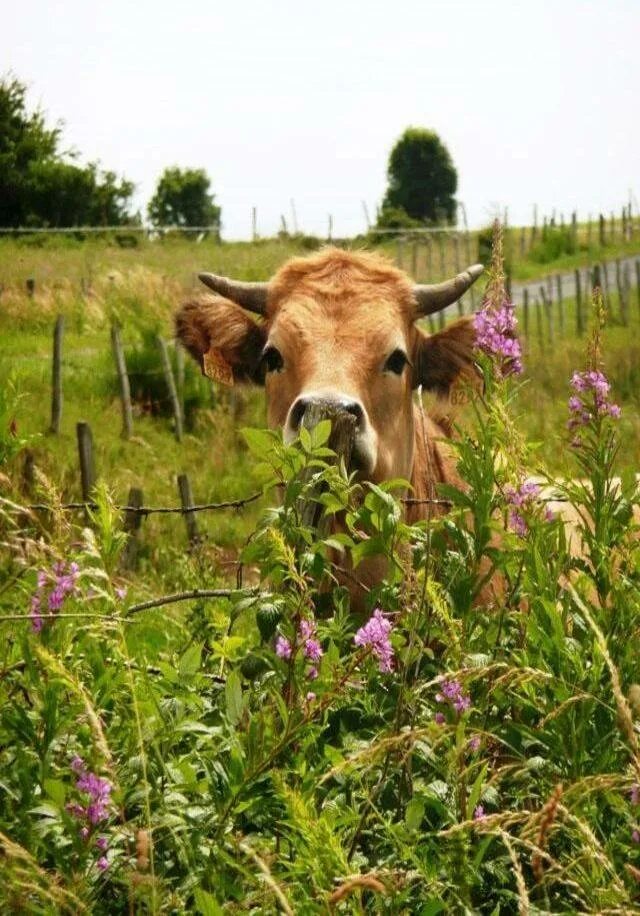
(340, 327)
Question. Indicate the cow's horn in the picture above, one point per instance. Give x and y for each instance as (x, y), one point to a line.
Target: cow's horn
(252, 296)
(436, 296)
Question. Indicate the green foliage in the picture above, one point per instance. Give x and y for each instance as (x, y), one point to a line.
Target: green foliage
(555, 243)
(422, 178)
(38, 185)
(240, 780)
(182, 198)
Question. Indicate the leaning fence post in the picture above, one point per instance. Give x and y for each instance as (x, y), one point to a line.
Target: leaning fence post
(560, 303)
(539, 323)
(87, 464)
(171, 386)
(56, 375)
(525, 308)
(579, 321)
(186, 498)
(132, 525)
(123, 379)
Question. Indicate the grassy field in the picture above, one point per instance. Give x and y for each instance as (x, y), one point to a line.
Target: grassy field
(256, 752)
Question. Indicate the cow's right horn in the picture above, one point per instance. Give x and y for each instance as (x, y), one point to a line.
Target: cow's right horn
(252, 296)
(434, 297)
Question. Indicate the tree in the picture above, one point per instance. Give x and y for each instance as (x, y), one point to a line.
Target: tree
(422, 178)
(39, 186)
(182, 198)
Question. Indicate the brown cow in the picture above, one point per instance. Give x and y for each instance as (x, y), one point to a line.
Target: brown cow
(340, 327)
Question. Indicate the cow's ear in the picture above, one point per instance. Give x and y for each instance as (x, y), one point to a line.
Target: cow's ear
(213, 324)
(440, 360)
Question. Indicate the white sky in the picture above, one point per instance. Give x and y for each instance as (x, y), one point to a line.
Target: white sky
(538, 102)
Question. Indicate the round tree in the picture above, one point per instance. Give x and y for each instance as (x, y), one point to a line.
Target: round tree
(182, 198)
(422, 178)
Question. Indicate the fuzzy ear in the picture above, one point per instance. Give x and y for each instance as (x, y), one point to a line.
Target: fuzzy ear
(442, 359)
(211, 321)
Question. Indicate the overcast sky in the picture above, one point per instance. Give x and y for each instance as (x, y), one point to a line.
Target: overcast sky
(538, 101)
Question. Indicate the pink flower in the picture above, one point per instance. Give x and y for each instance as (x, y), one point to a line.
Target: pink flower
(474, 743)
(451, 692)
(495, 335)
(439, 718)
(594, 389)
(478, 813)
(102, 863)
(635, 836)
(634, 794)
(283, 647)
(375, 633)
(310, 696)
(102, 843)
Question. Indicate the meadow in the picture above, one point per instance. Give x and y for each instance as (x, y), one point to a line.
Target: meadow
(255, 752)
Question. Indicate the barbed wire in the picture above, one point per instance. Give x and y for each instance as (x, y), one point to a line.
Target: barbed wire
(149, 510)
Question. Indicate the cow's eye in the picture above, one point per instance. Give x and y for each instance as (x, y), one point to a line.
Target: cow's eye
(396, 362)
(272, 360)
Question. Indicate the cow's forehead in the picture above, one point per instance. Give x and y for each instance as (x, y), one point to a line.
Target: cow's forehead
(340, 288)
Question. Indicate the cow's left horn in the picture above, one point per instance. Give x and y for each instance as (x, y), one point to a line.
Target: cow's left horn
(252, 296)
(437, 296)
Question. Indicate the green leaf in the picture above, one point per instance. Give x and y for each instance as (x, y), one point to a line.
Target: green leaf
(260, 441)
(206, 903)
(414, 813)
(233, 695)
(190, 661)
(56, 790)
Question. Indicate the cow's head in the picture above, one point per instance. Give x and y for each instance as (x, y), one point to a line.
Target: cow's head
(339, 327)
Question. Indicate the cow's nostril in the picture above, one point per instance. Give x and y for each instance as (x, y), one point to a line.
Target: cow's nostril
(297, 412)
(355, 410)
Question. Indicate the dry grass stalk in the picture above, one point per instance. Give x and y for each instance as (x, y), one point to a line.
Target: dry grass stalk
(547, 818)
(523, 896)
(369, 882)
(268, 877)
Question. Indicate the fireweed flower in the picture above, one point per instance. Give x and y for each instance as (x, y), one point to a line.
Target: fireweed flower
(590, 401)
(523, 501)
(634, 794)
(97, 806)
(451, 693)
(306, 640)
(495, 329)
(375, 633)
(478, 813)
(52, 588)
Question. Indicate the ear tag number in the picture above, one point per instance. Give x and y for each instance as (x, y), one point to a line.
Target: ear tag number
(217, 368)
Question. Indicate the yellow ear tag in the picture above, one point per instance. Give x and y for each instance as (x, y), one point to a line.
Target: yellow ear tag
(217, 368)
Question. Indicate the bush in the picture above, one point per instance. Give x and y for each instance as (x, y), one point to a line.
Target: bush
(556, 243)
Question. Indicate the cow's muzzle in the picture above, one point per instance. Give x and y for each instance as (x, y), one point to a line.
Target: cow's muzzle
(350, 428)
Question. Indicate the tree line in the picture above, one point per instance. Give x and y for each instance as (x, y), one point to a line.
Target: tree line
(43, 185)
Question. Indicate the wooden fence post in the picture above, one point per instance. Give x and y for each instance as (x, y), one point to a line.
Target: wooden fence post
(547, 307)
(123, 379)
(31, 287)
(186, 498)
(539, 323)
(132, 525)
(443, 273)
(605, 278)
(171, 386)
(523, 242)
(414, 259)
(180, 375)
(560, 303)
(525, 308)
(56, 375)
(456, 251)
(602, 236)
(596, 281)
(579, 316)
(470, 260)
(87, 464)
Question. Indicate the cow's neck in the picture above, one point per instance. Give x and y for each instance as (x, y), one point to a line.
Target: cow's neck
(433, 463)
